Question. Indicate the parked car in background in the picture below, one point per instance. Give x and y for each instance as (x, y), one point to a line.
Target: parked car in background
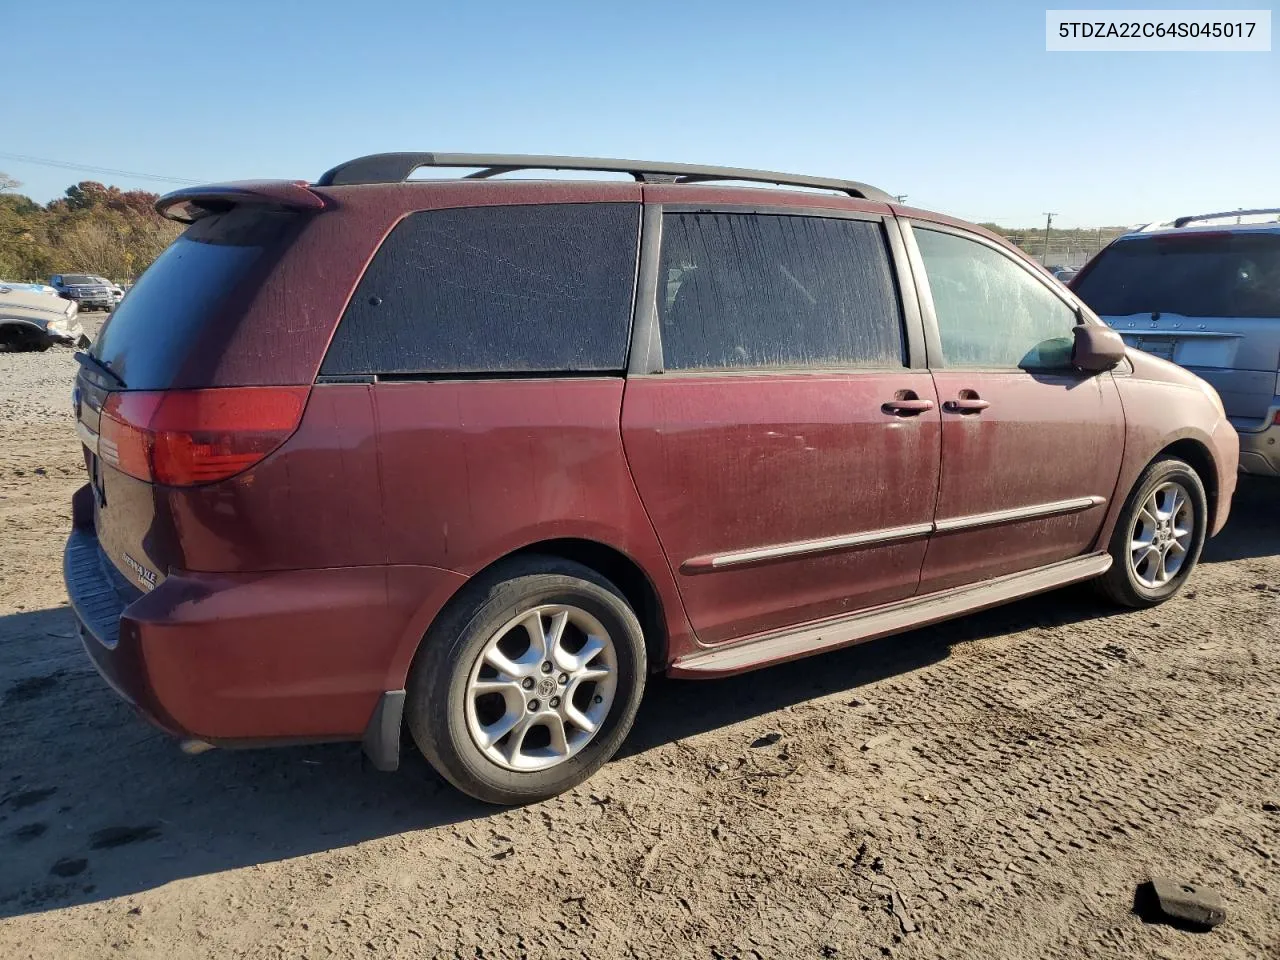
(30, 287)
(35, 321)
(479, 455)
(1065, 274)
(117, 291)
(89, 292)
(1204, 292)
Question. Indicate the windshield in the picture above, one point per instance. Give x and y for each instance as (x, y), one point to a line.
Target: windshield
(77, 278)
(1196, 275)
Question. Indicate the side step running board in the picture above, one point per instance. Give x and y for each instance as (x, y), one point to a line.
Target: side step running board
(767, 649)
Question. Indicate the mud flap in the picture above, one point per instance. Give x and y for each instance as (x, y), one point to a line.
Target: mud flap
(381, 740)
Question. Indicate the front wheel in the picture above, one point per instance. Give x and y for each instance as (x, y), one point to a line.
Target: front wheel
(1157, 540)
(529, 682)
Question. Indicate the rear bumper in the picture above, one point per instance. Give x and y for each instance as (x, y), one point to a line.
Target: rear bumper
(98, 597)
(1260, 451)
(252, 659)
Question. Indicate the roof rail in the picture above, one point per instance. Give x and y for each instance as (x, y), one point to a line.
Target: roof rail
(396, 167)
(1183, 221)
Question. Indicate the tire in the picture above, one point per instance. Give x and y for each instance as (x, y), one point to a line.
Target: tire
(1149, 581)
(21, 343)
(449, 717)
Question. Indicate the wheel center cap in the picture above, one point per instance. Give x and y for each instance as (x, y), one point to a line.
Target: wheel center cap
(546, 687)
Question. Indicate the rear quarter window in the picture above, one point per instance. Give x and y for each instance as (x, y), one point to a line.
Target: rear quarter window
(504, 290)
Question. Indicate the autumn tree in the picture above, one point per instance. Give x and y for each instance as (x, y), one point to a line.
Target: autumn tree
(103, 230)
(24, 240)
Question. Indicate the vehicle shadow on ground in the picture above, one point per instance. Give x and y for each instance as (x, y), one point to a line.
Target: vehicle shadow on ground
(675, 709)
(94, 804)
(1254, 527)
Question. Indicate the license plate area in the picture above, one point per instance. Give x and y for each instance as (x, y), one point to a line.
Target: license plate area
(1161, 347)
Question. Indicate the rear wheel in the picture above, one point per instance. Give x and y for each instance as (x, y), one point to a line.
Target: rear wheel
(1157, 540)
(529, 683)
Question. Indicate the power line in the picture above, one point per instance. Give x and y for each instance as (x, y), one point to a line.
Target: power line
(90, 168)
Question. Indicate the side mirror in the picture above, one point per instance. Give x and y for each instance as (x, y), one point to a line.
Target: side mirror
(1097, 348)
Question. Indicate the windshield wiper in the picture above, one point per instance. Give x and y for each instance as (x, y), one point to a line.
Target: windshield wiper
(88, 360)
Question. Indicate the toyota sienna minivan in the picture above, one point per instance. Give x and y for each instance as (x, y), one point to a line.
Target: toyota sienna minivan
(476, 456)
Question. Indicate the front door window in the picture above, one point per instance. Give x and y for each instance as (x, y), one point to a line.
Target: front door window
(992, 313)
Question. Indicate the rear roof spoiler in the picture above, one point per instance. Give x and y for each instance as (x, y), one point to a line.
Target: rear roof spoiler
(191, 203)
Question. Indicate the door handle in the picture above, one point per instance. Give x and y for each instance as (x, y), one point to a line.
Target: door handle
(967, 402)
(907, 407)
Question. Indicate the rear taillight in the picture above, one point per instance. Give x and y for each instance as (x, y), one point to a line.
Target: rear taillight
(186, 437)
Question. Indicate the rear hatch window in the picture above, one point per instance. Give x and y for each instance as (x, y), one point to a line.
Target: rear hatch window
(1216, 274)
(187, 300)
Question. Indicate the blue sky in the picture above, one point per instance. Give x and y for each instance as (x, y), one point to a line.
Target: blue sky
(958, 106)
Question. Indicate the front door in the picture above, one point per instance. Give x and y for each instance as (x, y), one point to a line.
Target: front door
(1031, 447)
(786, 454)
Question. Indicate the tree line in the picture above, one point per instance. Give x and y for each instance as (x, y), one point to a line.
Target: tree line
(93, 228)
(116, 233)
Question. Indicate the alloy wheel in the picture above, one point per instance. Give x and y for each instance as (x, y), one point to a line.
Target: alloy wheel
(1161, 535)
(541, 687)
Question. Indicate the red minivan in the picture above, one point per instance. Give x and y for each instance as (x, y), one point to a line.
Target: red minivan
(478, 455)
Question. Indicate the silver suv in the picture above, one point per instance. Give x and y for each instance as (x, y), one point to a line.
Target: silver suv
(1204, 292)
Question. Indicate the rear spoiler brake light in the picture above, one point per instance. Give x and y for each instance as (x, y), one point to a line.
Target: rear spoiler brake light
(191, 203)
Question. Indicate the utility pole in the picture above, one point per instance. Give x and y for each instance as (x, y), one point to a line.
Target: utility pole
(1048, 222)
(901, 198)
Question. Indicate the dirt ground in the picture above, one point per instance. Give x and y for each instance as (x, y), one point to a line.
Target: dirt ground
(995, 787)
